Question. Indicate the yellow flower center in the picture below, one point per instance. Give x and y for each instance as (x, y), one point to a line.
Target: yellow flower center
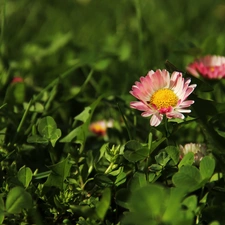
(212, 68)
(164, 98)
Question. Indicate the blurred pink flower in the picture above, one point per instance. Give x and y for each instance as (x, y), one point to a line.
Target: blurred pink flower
(160, 94)
(199, 150)
(17, 80)
(100, 127)
(211, 67)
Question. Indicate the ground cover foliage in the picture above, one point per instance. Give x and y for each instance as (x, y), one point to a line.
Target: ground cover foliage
(67, 64)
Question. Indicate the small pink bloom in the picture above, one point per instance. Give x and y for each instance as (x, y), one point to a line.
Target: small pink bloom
(100, 127)
(17, 80)
(211, 67)
(199, 150)
(160, 94)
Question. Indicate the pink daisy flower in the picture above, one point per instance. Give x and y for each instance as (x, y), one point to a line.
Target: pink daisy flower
(160, 94)
(211, 67)
(17, 80)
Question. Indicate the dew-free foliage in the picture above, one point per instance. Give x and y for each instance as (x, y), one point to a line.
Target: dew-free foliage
(25, 176)
(47, 130)
(17, 199)
(96, 100)
(59, 173)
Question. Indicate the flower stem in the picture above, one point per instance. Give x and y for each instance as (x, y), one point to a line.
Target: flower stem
(166, 125)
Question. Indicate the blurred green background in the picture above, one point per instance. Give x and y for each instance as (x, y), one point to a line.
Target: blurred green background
(120, 39)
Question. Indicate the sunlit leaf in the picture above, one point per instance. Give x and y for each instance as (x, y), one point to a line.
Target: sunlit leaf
(207, 166)
(25, 176)
(188, 159)
(191, 202)
(47, 127)
(55, 136)
(187, 177)
(84, 115)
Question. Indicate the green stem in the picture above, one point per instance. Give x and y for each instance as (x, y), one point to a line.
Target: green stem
(87, 80)
(166, 125)
(11, 153)
(21, 122)
(109, 168)
(125, 121)
(150, 141)
(42, 175)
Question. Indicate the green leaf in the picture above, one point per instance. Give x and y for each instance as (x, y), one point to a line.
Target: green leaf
(2, 217)
(25, 176)
(84, 115)
(162, 158)
(187, 160)
(120, 179)
(102, 151)
(104, 203)
(148, 200)
(191, 202)
(173, 152)
(154, 204)
(79, 134)
(18, 199)
(187, 177)
(55, 136)
(37, 139)
(36, 107)
(216, 177)
(174, 204)
(207, 166)
(59, 173)
(155, 167)
(134, 151)
(47, 126)
(104, 180)
(215, 223)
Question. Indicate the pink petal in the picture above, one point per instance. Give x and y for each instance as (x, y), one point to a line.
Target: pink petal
(139, 106)
(156, 120)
